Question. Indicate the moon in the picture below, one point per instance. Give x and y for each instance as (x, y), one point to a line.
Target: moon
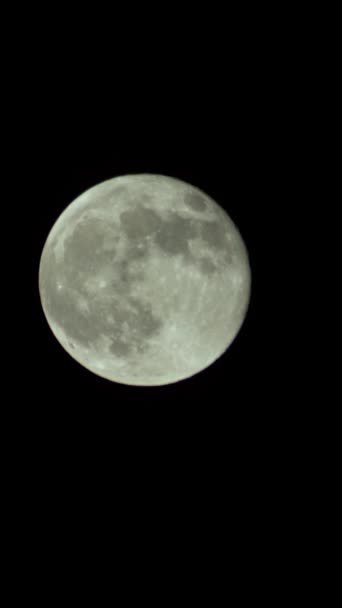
(144, 280)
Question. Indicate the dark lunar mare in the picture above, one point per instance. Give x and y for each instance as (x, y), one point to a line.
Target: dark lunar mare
(87, 253)
(84, 257)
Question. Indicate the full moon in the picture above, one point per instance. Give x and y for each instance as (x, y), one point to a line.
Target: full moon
(144, 280)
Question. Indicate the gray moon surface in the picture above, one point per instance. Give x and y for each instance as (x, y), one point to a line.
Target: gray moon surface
(144, 280)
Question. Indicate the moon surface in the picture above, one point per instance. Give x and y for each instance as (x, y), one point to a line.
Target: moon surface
(144, 280)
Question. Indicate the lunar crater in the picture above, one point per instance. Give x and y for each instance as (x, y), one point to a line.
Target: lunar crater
(195, 201)
(207, 266)
(214, 234)
(139, 222)
(174, 234)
